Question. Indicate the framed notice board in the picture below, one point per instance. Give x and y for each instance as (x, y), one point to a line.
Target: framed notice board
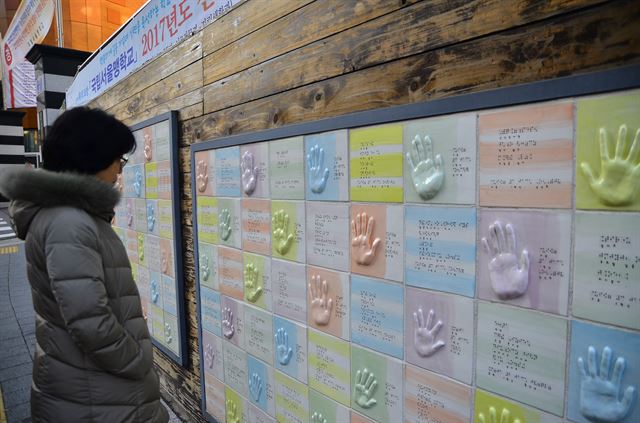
(440, 259)
(148, 221)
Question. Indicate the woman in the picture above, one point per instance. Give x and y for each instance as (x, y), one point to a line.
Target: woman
(94, 358)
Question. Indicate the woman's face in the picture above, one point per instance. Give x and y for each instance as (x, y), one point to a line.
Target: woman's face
(110, 174)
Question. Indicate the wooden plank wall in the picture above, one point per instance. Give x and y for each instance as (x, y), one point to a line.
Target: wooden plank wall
(270, 63)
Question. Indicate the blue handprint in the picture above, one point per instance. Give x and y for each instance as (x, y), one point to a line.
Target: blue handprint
(137, 185)
(255, 387)
(600, 391)
(155, 293)
(283, 351)
(318, 174)
(151, 217)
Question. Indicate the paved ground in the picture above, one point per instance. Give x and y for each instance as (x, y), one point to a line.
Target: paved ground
(17, 334)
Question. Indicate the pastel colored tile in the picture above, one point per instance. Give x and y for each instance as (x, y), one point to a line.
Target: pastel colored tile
(379, 250)
(171, 332)
(521, 355)
(376, 315)
(286, 167)
(210, 311)
(156, 316)
(450, 179)
(140, 215)
(129, 214)
(214, 397)
(290, 348)
(598, 395)
(292, 400)
(165, 218)
(167, 262)
(526, 156)
(142, 279)
(441, 248)
(152, 253)
(208, 266)
(138, 155)
(162, 138)
(148, 145)
(207, 215)
(327, 233)
(235, 368)
(227, 172)
(254, 170)
(235, 406)
(359, 418)
(261, 385)
(229, 222)
(231, 272)
(169, 300)
(289, 294)
(607, 268)
(543, 284)
(323, 408)
(485, 401)
(327, 166)
(288, 230)
(329, 366)
(608, 190)
(258, 333)
(385, 402)
(152, 223)
(120, 219)
(257, 280)
(212, 354)
(328, 306)
(429, 397)
(205, 172)
(131, 245)
(165, 184)
(375, 166)
(134, 181)
(451, 351)
(256, 226)
(151, 180)
(233, 321)
(256, 415)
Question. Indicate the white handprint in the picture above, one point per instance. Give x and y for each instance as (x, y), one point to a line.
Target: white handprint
(363, 244)
(365, 386)
(227, 323)
(255, 387)
(205, 270)
(509, 279)
(424, 334)
(283, 351)
(318, 174)
(167, 333)
(209, 355)
(321, 305)
(600, 391)
(155, 292)
(202, 176)
(249, 173)
(318, 418)
(427, 174)
(505, 416)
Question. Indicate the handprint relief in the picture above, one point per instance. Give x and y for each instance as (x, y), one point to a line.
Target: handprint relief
(364, 389)
(509, 278)
(283, 351)
(205, 270)
(363, 243)
(282, 238)
(137, 185)
(148, 149)
(251, 283)
(232, 412)
(318, 174)
(151, 217)
(317, 418)
(600, 389)
(249, 173)
(255, 387)
(209, 355)
(505, 416)
(141, 247)
(119, 185)
(619, 178)
(164, 262)
(321, 304)
(225, 224)
(202, 175)
(425, 333)
(228, 329)
(129, 212)
(167, 333)
(427, 174)
(155, 291)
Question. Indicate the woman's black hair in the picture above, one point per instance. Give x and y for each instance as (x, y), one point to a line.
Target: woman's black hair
(85, 140)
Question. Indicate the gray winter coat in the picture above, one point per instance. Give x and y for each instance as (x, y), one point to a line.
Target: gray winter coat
(94, 358)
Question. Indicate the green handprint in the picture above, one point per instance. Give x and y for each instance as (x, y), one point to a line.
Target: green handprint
(619, 177)
(225, 224)
(366, 384)
(141, 248)
(281, 236)
(505, 417)
(253, 288)
(232, 412)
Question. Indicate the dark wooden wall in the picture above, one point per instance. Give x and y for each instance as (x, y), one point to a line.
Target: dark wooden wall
(270, 63)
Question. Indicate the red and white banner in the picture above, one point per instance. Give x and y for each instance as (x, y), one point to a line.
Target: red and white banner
(28, 27)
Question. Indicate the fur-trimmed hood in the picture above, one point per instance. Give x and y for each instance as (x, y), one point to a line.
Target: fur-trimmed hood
(31, 190)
